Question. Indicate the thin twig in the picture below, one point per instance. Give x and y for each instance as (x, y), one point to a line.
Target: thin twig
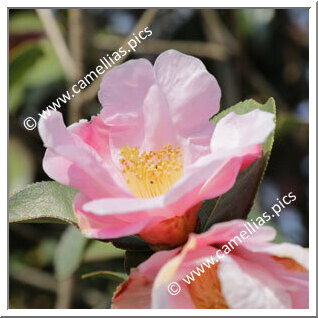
(64, 293)
(155, 46)
(54, 34)
(34, 277)
(216, 31)
(76, 40)
(217, 34)
(256, 79)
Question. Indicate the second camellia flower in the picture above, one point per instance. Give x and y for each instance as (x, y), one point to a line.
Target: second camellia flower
(148, 160)
(254, 274)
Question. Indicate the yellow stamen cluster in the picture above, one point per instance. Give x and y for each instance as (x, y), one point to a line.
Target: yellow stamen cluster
(151, 174)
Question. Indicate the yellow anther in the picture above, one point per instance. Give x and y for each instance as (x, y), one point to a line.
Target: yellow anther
(151, 174)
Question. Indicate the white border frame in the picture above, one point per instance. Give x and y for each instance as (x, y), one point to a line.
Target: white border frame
(312, 163)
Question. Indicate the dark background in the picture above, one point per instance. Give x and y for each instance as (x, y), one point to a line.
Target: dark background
(253, 53)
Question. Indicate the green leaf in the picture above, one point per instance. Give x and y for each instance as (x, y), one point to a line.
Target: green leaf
(238, 201)
(100, 251)
(43, 202)
(245, 107)
(47, 69)
(21, 165)
(35, 78)
(16, 96)
(116, 276)
(134, 258)
(69, 252)
(23, 59)
(24, 22)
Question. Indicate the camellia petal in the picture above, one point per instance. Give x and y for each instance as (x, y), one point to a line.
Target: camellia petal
(148, 160)
(255, 274)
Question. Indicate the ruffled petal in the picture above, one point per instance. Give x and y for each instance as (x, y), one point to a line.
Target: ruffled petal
(97, 135)
(193, 96)
(242, 132)
(72, 162)
(226, 231)
(103, 227)
(161, 298)
(158, 127)
(295, 252)
(135, 109)
(251, 287)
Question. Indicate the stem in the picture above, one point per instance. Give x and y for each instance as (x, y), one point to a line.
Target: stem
(54, 34)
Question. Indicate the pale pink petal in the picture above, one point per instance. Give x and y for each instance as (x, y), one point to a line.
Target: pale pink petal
(299, 292)
(109, 206)
(207, 178)
(226, 231)
(243, 288)
(242, 131)
(158, 127)
(193, 96)
(66, 172)
(244, 135)
(291, 278)
(293, 251)
(250, 154)
(152, 266)
(161, 298)
(135, 293)
(71, 161)
(135, 109)
(97, 135)
(122, 94)
(249, 278)
(223, 181)
(124, 88)
(182, 196)
(102, 227)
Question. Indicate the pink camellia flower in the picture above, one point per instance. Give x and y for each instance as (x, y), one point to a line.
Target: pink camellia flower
(252, 273)
(147, 161)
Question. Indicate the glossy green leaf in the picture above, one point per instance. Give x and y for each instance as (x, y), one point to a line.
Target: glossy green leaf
(43, 202)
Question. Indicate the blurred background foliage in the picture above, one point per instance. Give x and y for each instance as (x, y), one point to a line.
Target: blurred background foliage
(253, 53)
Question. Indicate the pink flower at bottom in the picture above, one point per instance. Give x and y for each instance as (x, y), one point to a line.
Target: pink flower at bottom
(147, 161)
(254, 274)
